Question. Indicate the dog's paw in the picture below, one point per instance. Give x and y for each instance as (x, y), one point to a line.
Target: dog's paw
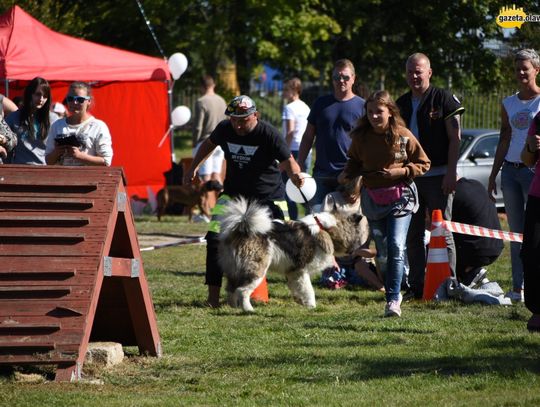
(248, 308)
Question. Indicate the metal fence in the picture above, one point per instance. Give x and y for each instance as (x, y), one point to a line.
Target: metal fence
(482, 110)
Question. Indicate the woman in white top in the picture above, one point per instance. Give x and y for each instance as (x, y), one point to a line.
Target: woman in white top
(294, 117)
(516, 115)
(79, 139)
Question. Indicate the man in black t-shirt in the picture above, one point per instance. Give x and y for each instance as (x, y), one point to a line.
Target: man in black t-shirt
(255, 153)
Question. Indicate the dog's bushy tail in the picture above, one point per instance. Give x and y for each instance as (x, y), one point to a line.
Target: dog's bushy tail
(246, 218)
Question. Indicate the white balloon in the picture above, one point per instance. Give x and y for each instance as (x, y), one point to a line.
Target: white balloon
(309, 188)
(178, 64)
(180, 115)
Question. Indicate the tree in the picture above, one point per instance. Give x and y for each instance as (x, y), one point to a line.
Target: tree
(379, 35)
(285, 33)
(56, 14)
(301, 37)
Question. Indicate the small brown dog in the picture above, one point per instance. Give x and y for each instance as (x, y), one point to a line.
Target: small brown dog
(190, 196)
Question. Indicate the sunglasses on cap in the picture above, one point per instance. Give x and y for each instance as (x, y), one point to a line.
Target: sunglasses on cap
(338, 77)
(77, 99)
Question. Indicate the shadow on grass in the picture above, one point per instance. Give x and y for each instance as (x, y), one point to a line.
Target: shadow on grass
(8, 372)
(178, 273)
(369, 328)
(383, 366)
(186, 273)
(446, 366)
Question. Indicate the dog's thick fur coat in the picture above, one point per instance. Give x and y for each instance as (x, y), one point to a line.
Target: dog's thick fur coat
(252, 243)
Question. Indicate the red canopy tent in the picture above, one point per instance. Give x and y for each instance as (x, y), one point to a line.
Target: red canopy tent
(130, 90)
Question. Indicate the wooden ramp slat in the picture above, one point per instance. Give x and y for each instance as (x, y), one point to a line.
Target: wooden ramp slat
(33, 191)
(37, 308)
(29, 293)
(15, 346)
(7, 235)
(37, 218)
(47, 322)
(51, 200)
(38, 359)
(42, 231)
(46, 248)
(79, 287)
(36, 275)
(62, 338)
(99, 205)
(16, 328)
(46, 183)
(70, 267)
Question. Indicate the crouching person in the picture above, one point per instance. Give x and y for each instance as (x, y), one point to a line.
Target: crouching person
(472, 206)
(359, 263)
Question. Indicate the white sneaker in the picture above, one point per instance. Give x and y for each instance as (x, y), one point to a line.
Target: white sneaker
(393, 308)
(515, 296)
(479, 279)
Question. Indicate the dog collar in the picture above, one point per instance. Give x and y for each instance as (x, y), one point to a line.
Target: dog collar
(318, 222)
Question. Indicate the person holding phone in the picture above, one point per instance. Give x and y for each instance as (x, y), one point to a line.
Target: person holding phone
(79, 139)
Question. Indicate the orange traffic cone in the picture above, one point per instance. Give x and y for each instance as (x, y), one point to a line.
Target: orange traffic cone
(438, 268)
(261, 292)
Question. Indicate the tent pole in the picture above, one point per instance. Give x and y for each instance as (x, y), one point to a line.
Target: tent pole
(171, 126)
(6, 86)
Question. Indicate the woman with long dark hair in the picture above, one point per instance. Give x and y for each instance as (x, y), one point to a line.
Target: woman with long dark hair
(388, 157)
(31, 123)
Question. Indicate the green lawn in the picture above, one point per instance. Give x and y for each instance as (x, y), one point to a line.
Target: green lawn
(343, 353)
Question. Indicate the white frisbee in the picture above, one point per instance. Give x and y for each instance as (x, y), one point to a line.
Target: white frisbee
(309, 188)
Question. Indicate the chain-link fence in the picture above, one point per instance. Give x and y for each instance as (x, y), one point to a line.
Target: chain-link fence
(482, 110)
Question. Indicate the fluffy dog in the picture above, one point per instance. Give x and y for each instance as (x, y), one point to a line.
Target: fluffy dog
(190, 196)
(252, 243)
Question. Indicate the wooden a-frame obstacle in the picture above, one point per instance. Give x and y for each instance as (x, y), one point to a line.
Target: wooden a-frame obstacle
(70, 267)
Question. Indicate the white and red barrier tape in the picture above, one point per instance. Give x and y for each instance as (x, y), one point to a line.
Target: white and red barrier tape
(180, 242)
(481, 231)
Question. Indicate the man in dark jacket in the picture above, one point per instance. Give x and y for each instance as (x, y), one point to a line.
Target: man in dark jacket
(433, 116)
(472, 206)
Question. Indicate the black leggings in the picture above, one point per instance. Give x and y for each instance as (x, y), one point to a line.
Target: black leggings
(463, 261)
(530, 254)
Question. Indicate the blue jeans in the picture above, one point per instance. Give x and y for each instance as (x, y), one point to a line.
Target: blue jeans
(515, 184)
(325, 184)
(390, 236)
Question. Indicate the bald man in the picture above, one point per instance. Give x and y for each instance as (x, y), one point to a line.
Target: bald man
(433, 116)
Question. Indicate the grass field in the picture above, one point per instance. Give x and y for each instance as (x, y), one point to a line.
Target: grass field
(343, 353)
